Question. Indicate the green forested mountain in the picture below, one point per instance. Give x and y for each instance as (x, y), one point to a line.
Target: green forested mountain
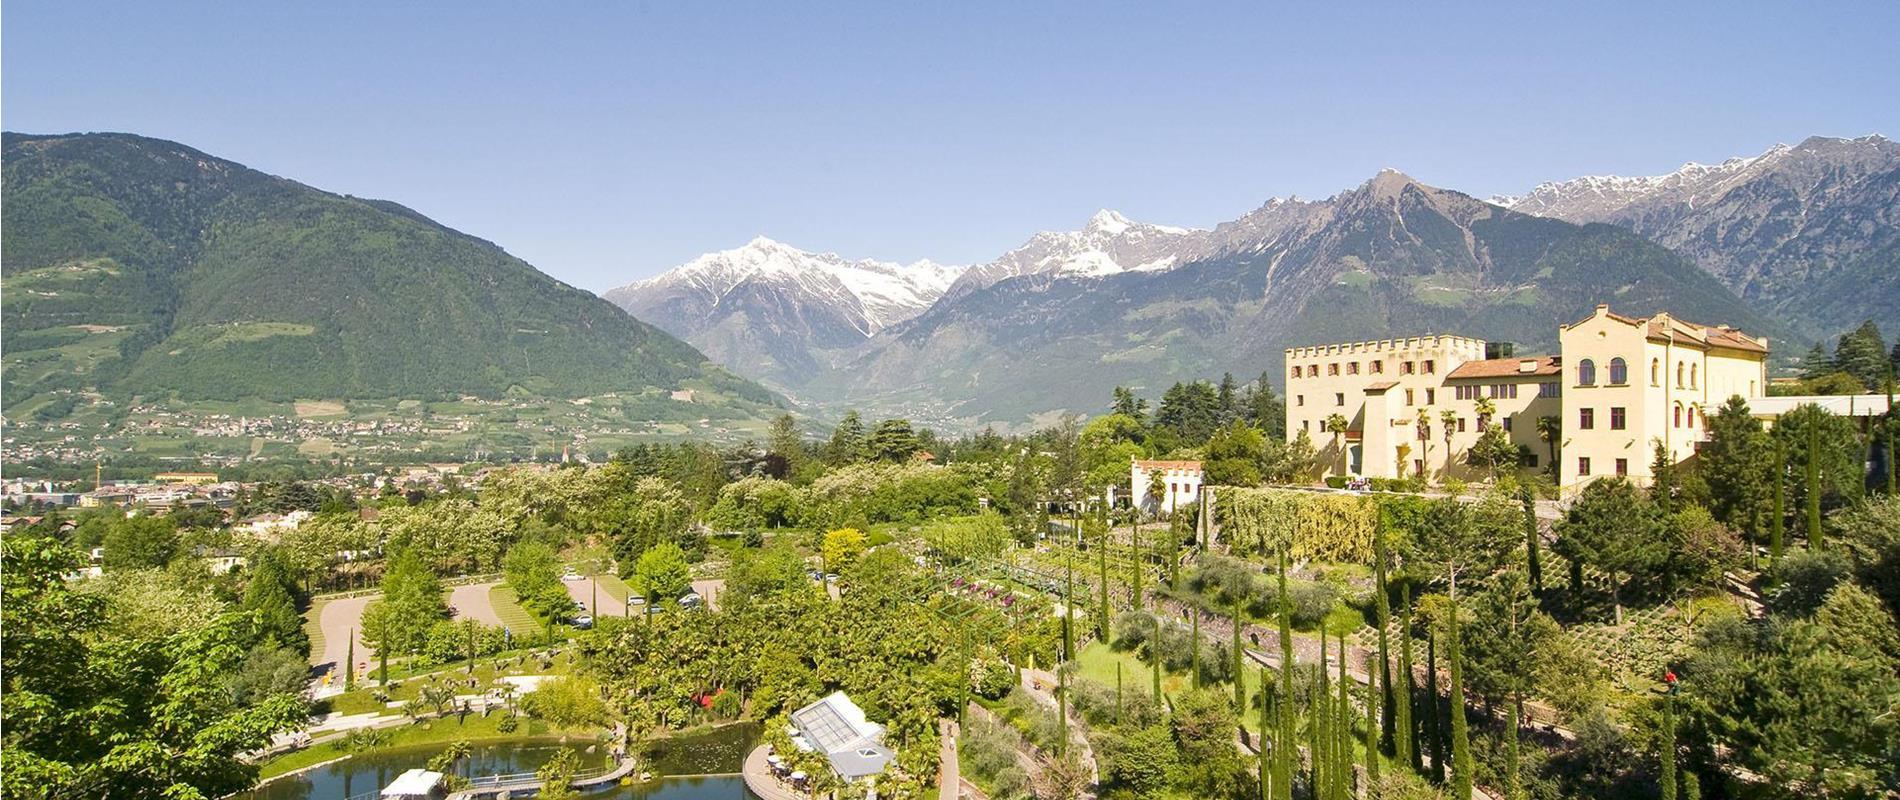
(145, 268)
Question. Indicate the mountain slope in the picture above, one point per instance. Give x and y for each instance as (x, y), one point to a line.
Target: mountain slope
(1392, 257)
(776, 312)
(145, 267)
(1109, 244)
(1809, 232)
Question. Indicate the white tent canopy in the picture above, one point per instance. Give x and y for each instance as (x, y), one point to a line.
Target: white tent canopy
(413, 783)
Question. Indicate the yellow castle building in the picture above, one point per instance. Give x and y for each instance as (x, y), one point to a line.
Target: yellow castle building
(1618, 386)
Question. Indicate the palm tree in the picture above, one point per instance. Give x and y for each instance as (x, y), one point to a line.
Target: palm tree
(1336, 425)
(1424, 439)
(1156, 485)
(1450, 418)
(1551, 430)
(1486, 409)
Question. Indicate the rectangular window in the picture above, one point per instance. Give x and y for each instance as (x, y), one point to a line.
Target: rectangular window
(1405, 368)
(1352, 368)
(1583, 465)
(1378, 367)
(1550, 389)
(1622, 467)
(1511, 388)
(1530, 460)
(1339, 398)
(1461, 424)
(1431, 397)
(1507, 426)
(1408, 397)
(1299, 399)
(1333, 368)
(1616, 418)
(1303, 424)
(1428, 366)
(1482, 424)
(1586, 418)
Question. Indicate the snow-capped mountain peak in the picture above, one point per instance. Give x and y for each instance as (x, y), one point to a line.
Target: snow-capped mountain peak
(866, 294)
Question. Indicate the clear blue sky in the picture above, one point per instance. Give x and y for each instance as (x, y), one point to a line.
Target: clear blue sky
(607, 141)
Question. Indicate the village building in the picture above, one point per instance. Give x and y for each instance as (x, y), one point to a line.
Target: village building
(1180, 485)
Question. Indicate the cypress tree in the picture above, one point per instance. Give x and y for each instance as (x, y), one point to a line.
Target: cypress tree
(1375, 702)
(1194, 649)
(1434, 728)
(1776, 532)
(1134, 572)
(1532, 546)
(1062, 709)
(1322, 727)
(1405, 733)
(1154, 656)
(1101, 616)
(1285, 752)
(1691, 786)
(1513, 785)
(1814, 484)
(1267, 735)
(349, 663)
(1342, 732)
(1068, 608)
(1240, 683)
(1118, 692)
(1383, 613)
(1460, 735)
(1668, 754)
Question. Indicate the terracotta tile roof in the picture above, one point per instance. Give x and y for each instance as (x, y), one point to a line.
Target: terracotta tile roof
(1195, 465)
(1381, 386)
(1669, 328)
(1507, 368)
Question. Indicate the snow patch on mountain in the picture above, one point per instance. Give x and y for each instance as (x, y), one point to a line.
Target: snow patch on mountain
(1108, 244)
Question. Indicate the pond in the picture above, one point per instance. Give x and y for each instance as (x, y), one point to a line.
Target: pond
(691, 757)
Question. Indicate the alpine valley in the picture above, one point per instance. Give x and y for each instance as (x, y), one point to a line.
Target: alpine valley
(1054, 325)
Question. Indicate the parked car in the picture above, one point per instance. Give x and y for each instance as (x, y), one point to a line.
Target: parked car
(584, 621)
(690, 600)
(570, 575)
(636, 600)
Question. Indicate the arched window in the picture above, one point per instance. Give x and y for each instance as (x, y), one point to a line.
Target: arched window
(1586, 373)
(1619, 372)
(1692, 368)
(1692, 416)
(1678, 422)
(1679, 366)
(1655, 372)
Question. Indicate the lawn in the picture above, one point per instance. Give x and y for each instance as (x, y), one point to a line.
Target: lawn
(1098, 661)
(509, 611)
(474, 728)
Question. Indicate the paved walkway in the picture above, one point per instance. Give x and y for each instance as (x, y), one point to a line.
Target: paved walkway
(949, 782)
(470, 601)
(599, 602)
(759, 778)
(339, 619)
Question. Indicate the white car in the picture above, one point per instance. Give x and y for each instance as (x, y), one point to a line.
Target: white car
(570, 575)
(584, 621)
